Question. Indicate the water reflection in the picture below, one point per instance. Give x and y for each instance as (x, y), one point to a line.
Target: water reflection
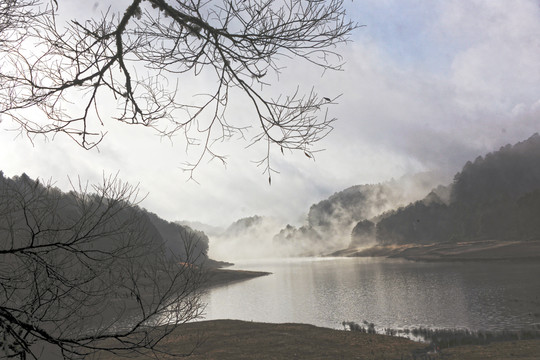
(390, 293)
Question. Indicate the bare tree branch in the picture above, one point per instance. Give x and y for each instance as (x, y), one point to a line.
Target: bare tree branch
(86, 272)
(142, 61)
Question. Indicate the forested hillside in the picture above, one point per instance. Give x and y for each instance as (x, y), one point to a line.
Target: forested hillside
(330, 221)
(495, 197)
(30, 205)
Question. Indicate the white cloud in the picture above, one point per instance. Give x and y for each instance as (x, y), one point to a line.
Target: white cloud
(432, 89)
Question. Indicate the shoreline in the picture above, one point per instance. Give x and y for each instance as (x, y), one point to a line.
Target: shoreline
(485, 250)
(216, 277)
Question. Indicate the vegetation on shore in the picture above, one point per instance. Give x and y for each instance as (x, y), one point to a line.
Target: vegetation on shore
(447, 338)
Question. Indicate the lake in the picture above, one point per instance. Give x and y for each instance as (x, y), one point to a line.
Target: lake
(388, 292)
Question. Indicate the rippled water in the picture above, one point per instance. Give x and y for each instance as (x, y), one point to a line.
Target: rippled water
(387, 292)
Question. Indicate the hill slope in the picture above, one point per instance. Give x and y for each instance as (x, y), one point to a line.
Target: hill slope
(330, 221)
(50, 206)
(494, 197)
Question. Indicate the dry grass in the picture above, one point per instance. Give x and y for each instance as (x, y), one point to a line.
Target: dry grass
(237, 340)
(508, 350)
(240, 340)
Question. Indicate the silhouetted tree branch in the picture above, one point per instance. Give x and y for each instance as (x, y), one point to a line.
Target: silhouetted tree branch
(85, 272)
(143, 61)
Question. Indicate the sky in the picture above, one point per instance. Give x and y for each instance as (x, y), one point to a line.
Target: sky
(426, 86)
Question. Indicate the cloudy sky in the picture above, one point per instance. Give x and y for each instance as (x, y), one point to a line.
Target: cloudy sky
(427, 85)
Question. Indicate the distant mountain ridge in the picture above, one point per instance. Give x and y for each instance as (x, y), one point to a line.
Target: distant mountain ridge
(197, 225)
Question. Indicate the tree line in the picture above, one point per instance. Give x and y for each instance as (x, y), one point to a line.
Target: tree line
(494, 197)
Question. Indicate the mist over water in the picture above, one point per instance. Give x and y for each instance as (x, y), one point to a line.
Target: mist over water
(327, 226)
(248, 238)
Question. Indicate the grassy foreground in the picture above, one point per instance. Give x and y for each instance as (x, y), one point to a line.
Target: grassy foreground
(233, 339)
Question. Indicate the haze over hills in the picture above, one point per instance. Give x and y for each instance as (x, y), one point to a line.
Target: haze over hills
(495, 197)
(329, 222)
(327, 226)
(247, 238)
(209, 230)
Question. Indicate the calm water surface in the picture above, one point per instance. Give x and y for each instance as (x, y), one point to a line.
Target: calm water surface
(387, 292)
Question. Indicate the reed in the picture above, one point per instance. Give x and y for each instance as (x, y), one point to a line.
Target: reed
(446, 338)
